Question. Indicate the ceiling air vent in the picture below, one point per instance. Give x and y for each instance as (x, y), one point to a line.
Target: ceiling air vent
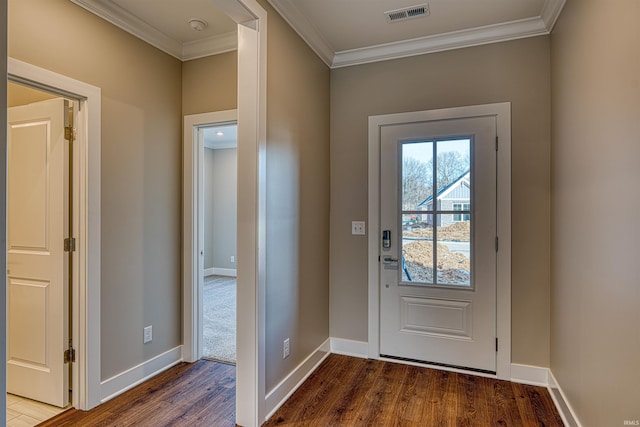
(407, 13)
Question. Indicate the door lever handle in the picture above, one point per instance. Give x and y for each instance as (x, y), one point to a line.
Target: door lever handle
(389, 260)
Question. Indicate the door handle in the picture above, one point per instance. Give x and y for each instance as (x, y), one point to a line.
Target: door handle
(389, 260)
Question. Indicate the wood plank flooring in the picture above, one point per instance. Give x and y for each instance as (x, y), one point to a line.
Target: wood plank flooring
(344, 391)
(198, 394)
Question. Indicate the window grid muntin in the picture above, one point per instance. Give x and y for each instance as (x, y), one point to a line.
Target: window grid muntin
(434, 212)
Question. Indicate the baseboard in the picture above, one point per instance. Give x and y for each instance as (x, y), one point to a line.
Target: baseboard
(350, 347)
(130, 378)
(232, 272)
(208, 272)
(280, 393)
(531, 375)
(567, 413)
(535, 375)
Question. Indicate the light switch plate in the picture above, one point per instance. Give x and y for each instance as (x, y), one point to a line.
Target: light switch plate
(148, 334)
(358, 228)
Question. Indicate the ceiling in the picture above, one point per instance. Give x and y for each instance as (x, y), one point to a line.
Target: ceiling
(217, 137)
(341, 32)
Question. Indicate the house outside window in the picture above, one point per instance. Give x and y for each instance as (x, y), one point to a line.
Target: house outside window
(461, 207)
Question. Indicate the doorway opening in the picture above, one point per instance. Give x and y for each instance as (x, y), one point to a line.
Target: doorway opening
(39, 269)
(83, 191)
(219, 191)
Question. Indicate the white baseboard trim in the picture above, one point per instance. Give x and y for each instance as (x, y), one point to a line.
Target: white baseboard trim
(567, 413)
(208, 272)
(232, 272)
(130, 378)
(350, 347)
(531, 375)
(280, 393)
(535, 375)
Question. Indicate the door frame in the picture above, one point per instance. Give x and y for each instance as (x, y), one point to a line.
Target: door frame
(502, 113)
(86, 187)
(193, 226)
(251, 235)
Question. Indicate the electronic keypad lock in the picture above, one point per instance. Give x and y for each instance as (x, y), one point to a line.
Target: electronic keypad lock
(386, 239)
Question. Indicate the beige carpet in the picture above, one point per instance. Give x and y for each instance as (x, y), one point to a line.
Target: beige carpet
(219, 319)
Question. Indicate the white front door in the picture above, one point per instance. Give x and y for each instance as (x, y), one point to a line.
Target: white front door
(438, 242)
(37, 308)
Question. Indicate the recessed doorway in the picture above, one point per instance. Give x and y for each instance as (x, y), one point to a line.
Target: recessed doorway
(220, 161)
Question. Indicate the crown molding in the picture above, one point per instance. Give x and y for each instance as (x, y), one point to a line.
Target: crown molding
(305, 29)
(531, 27)
(210, 46)
(551, 11)
(128, 22)
(440, 42)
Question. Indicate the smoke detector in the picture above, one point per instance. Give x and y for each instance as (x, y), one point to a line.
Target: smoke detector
(407, 13)
(198, 24)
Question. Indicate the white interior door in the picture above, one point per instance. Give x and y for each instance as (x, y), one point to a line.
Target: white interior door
(37, 324)
(438, 242)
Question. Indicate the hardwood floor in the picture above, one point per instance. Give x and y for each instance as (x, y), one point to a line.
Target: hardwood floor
(347, 391)
(344, 391)
(198, 394)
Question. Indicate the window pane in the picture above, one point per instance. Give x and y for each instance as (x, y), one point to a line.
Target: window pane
(417, 176)
(417, 248)
(454, 173)
(454, 251)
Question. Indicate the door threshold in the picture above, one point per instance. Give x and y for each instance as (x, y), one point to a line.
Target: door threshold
(437, 365)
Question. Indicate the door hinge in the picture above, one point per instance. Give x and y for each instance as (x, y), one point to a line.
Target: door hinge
(70, 244)
(69, 133)
(496, 243)
(496, 344)
(496, 143)
(70, 355)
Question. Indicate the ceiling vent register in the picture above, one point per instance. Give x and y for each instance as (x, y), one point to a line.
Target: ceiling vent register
(407, 13)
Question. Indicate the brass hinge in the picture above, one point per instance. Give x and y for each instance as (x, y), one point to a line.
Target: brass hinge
(69, 133)
(496, 243)
(496, 143)
(70, 244)
(496, 344)
(70, 355)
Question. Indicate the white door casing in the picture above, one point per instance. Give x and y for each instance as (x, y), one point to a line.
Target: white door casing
(193, 225)
(501, 112)
(452, 322)
(37, 277)
(86, 218)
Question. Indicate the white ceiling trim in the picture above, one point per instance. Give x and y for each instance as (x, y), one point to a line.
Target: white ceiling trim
(135, 26)
(455, 40)
(308, 32)
(551, 11)
(305, 29)
(210, 46)
(440, 42)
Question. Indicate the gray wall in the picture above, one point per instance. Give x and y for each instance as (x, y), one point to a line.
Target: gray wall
(220, 207)
(210, 84)
(140, 166)
(595, 299)
(297, 247)
(516, 71)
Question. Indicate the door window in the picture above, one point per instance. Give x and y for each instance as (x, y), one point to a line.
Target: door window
(436, 220)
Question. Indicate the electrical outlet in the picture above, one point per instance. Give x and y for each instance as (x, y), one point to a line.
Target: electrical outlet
(285, 348)
(357, 228)
(233, 258)
(148, 334)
